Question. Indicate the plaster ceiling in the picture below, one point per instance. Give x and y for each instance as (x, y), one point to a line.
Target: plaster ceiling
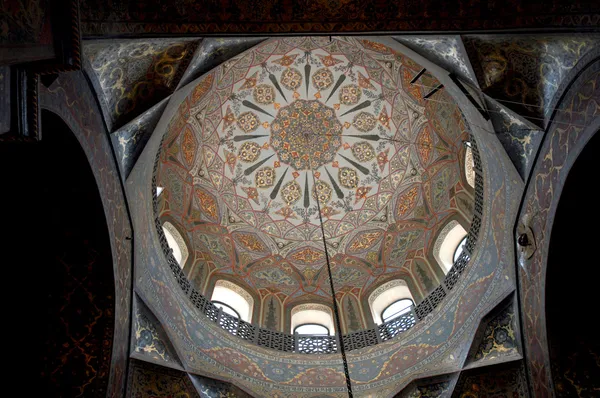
(300, 135)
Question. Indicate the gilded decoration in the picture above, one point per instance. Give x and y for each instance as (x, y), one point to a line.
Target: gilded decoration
(249, 152)
(350, 94)
(299, 131)
(264, 94)
(134, 75)
(348, 177)
(498, 338)
(248, 122)
(150, 339)
(364, 122)
(322, 79)
(494, 381)
(147, 380)
(306, 135)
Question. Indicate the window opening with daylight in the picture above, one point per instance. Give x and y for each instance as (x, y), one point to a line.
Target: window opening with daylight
(389, 300)
(312, 319)
(396, 309)
(313, 329)
(233, 300)
(460, 248)
(450, 240)
(176, 243)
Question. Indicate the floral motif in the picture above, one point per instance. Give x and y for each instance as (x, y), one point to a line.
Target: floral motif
(350, 94)
(228, 119)
(249, 152)
(322, 79)
(384, 118)
(264, 94)
(250, 82)
(286, 60)
(252, 193)
(290, 193)
(260, 172)
(286, 213)
(324, 191)
(265, 177)
(188, 146)
(306, 134)
(329, 211)
(382, 158)
(291, 79)
(361, 193)
(365, 82)
(363, 151)
(248, 122)
(364, 122)
(328, 60)
(348, 177)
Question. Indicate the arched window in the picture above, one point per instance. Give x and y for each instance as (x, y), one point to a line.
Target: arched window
(451, 238)
(313, 319)
(312, 329)
(459, 249)
(387, 301)
(469, 165)
(396, 309)
(176, 243)
(226, 308)
(233, 300)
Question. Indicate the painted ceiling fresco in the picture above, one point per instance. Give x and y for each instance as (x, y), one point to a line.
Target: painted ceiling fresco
(302, 135)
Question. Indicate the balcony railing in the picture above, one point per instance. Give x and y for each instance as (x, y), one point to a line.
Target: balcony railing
(306, 344)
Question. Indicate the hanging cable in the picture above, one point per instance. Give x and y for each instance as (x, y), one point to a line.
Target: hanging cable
(336, 312)
(507, 101)
(528, 117)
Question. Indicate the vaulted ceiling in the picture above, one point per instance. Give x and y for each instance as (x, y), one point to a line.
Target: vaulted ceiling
(302, 135)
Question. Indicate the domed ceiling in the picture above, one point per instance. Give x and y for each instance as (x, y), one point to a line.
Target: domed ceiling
(302, 135)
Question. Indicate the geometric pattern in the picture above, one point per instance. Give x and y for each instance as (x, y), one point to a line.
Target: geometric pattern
(155, 17)
(497, 338)
(519, 137)
(147, 380)
(446, 51)
(437, 386)
(129, 141)
(526, 73)
(211, 388)
(303, 132)
(504, 380)
(150, 341)
(130, 76)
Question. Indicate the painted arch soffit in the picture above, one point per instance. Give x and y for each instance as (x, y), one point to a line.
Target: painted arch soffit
(299, 130)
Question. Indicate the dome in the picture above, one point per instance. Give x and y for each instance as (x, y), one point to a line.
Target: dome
(303, 216)
(304, 151)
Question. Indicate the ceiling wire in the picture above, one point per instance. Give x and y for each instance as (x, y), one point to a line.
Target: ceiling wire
(403, 142)
(528, 117)
(507, 101)
(336, 311)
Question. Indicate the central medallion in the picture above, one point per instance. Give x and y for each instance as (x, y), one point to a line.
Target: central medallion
(306, 134)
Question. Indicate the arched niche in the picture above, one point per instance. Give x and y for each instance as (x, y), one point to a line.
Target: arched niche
(352, 315)
(425, 276)
(272, 313)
